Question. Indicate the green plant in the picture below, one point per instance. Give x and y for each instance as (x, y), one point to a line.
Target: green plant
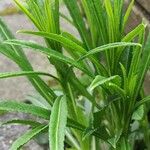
(98, 107)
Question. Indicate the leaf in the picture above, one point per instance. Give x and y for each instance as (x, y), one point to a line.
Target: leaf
(27, 13)
(72, 140)
(130, 36)
(16, 54)
(13, 106)
(58, 123)
(143, 101)
(107, 47)
(59, 38)
(88, 132)
(113, 141)
(27, 137)
(73, 124)
(143, 65)
(127, 14)
(37, 100)
(100, 80)
(117, 89)
(138, 113)
(66, 18)
(33, 124)
(78, 20)
(49, 52)
(25, 73)
(72, 38)
(111, 21)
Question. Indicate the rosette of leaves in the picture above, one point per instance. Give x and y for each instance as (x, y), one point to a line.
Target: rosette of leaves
(99, 106)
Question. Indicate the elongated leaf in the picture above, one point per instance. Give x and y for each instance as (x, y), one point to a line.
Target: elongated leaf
(75, 125)
(128, 13)
(21, 122)
(138, 113)
(27, 13)
(117, 89)
(72, 140)
(111, 21)
(78, 20)
(58, 123)
(13, 106)
(143, 65)
(143, 101)
(88, 132)
(27, 137)
(114, 140)
(24, 73)
(66, 18)
(49, 52)
(100, 80)
(16, 54)
(59, 38)
(130, 36)
(37, 100)
(108, 47)
(72, 38)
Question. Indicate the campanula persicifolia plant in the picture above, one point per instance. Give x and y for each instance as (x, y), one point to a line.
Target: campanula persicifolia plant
(100, 106)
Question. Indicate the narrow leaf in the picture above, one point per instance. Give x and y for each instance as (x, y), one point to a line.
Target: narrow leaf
(49, 52)
(13, 106)
(57, 124)
(21, 122)
(100, 80)
(108, 47)
(24, 73)
(143, 101)
(27, 137)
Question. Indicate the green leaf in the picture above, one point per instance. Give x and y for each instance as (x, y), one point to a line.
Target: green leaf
(100, 80)
(23, 9)
(66, 18)
(108, 47)
(138, 113)
(143, 66)
(88, 132)
(21, 122)
(127, 14)
(16, 54)
(27, 137)
(113, 141)
(37, 100)
(13, 106)
(24, 73)
(58, 123)
(72, 140)
(130, 36)
(59, 38)
(117, 89)
(111, 21)
(78, 20)
(73, 124)
(72, 38)
(49, 52)
(143, 101)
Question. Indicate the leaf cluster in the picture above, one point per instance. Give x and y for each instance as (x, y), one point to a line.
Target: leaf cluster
(100, 104)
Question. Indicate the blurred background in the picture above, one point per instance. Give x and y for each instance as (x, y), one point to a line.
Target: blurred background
(19, 88)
